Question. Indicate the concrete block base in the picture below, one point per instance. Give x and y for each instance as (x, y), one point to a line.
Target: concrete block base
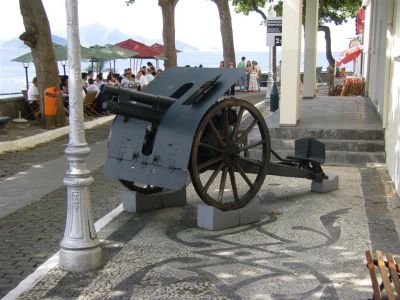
(211, 218)
(138, 202)
(327, 185)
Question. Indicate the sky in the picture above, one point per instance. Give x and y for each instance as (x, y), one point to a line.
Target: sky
(196, 23)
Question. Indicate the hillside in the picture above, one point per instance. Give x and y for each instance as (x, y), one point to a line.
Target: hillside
(98, 34)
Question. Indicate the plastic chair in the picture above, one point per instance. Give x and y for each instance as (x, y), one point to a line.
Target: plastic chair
(33, 110)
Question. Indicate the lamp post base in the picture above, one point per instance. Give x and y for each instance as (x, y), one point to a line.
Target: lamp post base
(80, 260)
(270, 83)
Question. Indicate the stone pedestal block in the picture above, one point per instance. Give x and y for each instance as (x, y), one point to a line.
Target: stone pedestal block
(327, 185)
(251, 213)
(173, 198)
(211, 218)
(138, 202)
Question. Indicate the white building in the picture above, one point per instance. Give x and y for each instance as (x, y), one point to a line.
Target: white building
(381, 64)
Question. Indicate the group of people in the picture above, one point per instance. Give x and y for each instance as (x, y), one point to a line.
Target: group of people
(91, 84)
(142, 78)
(249, 82)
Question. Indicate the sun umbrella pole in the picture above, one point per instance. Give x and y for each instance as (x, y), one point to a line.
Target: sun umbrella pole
(80, 249)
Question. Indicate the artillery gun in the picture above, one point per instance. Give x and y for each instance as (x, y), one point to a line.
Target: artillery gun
(180, 125)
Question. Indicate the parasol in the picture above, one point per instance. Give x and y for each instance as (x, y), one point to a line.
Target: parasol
(349, 55)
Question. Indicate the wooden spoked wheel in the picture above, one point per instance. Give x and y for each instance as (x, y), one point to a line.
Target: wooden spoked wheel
(232, 141)
(141, 188)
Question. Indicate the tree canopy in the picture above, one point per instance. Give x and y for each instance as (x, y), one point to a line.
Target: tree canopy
(330, 11)
(334, 11)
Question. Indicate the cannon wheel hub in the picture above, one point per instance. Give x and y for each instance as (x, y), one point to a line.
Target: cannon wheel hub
(230, 154)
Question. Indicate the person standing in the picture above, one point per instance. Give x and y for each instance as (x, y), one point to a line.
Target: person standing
(243, 79)
(232, 89)
(253, 80)
(248, 71)
(258, 70)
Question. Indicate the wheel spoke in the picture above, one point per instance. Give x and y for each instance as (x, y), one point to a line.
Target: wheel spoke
(251, 146)
(208, 163)
(244, 176)
(239, 120)
(222, 184)
(211, 147)
(226, 125)
(242, 137)
(233, 183)
(216, 133)
(214, 174)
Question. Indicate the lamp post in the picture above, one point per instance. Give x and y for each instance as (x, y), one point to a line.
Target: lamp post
(26, 66)
(80, 250)
(270, 80)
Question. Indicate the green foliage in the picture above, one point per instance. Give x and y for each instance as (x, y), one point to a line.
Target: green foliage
(338, 12)
(334, 11)
(246, 6)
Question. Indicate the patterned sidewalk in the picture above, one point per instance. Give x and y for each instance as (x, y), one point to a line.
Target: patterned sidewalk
(306, 245)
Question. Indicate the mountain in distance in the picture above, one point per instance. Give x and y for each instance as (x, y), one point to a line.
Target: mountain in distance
(98, 34)
(17, 43)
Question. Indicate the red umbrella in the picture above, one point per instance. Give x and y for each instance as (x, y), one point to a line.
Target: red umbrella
(160, 49)
(349, 55)
(145, 52)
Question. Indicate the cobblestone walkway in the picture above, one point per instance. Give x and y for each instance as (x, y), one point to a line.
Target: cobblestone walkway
(33, 234)
(307, 246)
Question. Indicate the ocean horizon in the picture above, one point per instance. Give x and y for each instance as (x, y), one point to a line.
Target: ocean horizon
(12, 74)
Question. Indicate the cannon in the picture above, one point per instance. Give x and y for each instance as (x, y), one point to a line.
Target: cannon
(180, 125)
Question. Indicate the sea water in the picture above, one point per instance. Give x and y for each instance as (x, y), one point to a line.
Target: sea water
(13, 79)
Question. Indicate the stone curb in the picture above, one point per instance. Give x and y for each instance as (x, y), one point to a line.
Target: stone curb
(32, 141)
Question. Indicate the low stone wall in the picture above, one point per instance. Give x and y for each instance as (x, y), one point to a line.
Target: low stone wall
(10, 107)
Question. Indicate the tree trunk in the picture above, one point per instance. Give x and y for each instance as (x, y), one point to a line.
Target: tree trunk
(37, 36)
(328, 48)
(226, 31)
(168, 14)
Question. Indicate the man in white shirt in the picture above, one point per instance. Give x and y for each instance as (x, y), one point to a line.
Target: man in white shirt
(140, 76)
(33, 93)
(92, 87)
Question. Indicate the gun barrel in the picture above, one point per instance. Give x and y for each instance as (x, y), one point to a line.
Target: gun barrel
(134, 110)
(148, 99)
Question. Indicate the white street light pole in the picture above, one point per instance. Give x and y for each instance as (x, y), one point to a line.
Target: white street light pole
(270, 80)
(80, 250)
